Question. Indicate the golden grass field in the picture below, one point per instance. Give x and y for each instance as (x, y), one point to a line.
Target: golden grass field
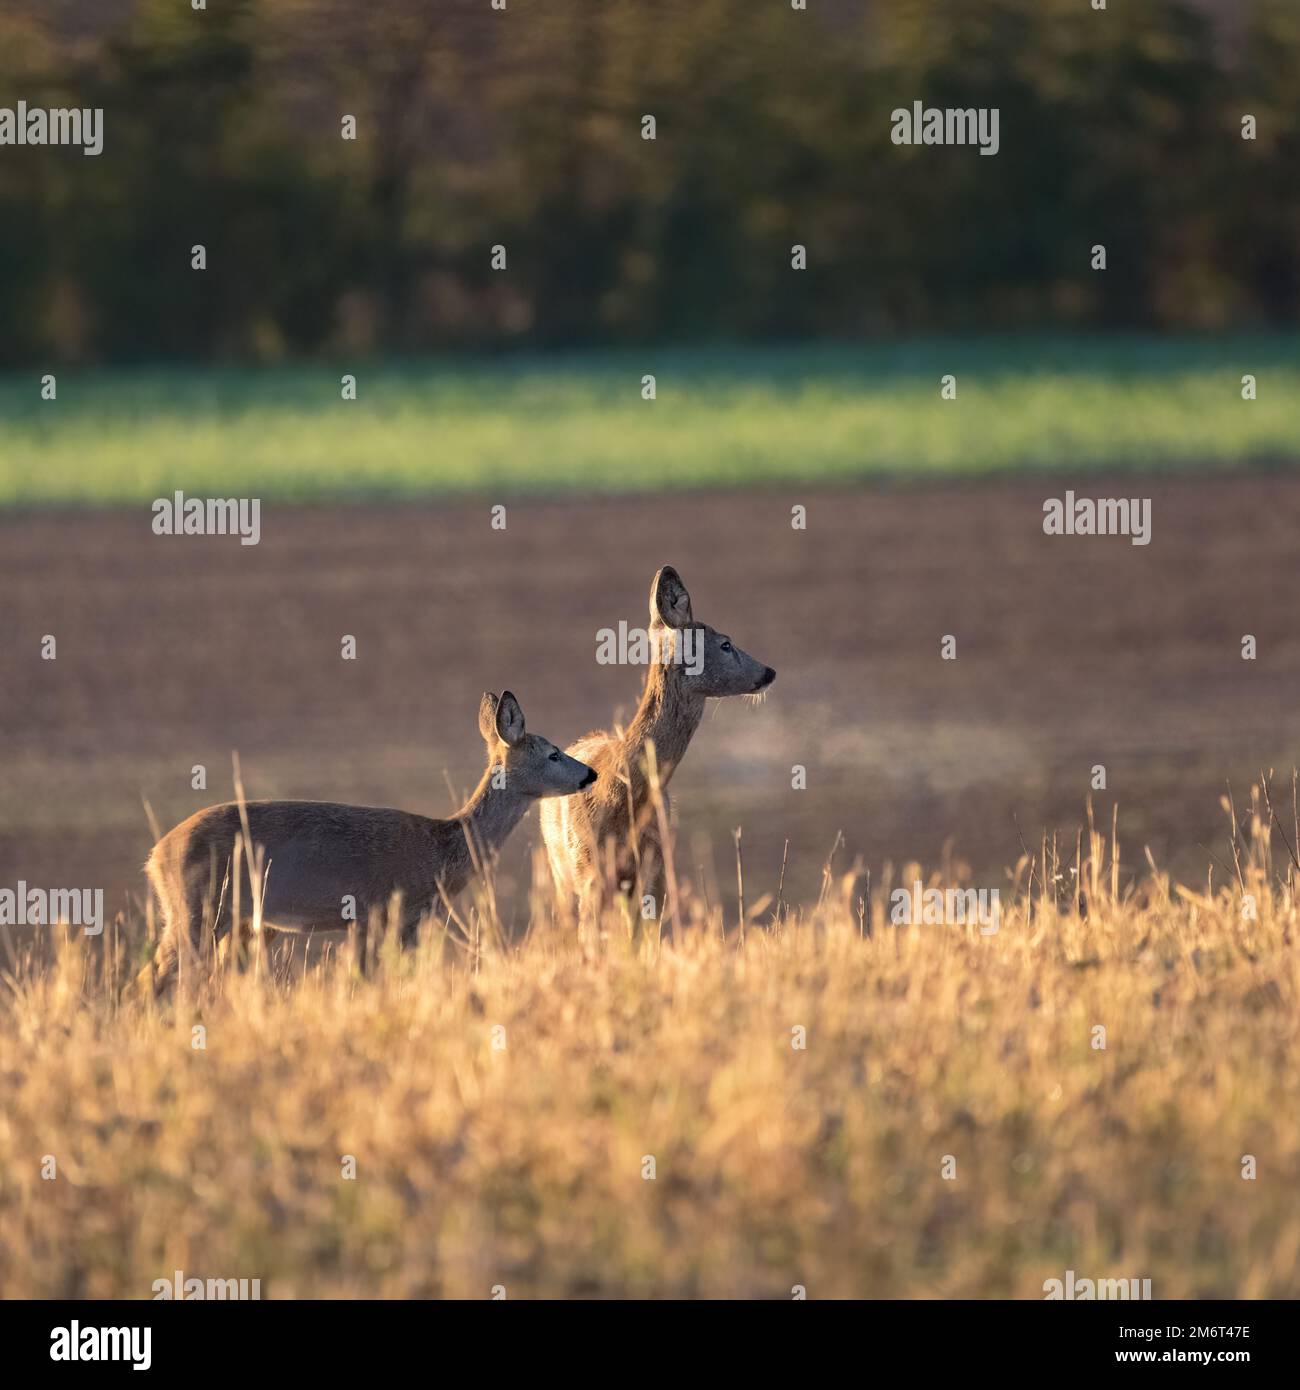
(500, 1101)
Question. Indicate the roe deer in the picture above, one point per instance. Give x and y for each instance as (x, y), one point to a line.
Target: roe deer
(318, 853)
(620, 809)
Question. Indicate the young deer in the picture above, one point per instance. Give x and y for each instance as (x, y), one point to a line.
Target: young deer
(696, 663)
(317, 853)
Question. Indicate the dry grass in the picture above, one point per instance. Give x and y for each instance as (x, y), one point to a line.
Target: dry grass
(522, 1164)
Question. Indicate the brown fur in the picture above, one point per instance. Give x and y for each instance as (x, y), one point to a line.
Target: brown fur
(614, 824)
(316, 853)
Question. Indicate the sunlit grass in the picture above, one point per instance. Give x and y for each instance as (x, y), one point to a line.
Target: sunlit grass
(501, 1105)
(719, 418)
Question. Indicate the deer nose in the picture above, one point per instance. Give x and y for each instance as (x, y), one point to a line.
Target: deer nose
(769, 675)
(591, 776)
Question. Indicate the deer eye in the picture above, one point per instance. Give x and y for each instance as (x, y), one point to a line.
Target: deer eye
(726, 646)
(555, 756)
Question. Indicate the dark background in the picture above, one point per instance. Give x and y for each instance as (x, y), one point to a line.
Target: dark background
(522, 128)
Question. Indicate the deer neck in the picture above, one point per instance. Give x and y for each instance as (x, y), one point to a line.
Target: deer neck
(485, 822)
(668, 716)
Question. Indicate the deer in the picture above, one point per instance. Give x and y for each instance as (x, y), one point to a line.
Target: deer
(319, 855)
(690, 663)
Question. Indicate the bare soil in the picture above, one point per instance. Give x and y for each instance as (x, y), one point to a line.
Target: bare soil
(1071, 653)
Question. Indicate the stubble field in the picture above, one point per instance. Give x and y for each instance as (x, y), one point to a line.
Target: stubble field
(832, 1103)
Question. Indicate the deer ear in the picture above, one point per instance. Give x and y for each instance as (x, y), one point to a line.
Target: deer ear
(487, 716)
(510, 719)
(670, 604)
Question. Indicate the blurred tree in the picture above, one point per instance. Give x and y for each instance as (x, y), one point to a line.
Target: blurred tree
(523, 128)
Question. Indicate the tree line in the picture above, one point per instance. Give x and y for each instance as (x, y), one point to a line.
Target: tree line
(501, 189)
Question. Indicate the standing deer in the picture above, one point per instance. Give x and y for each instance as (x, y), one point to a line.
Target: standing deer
(618, 814)
(318, 854)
